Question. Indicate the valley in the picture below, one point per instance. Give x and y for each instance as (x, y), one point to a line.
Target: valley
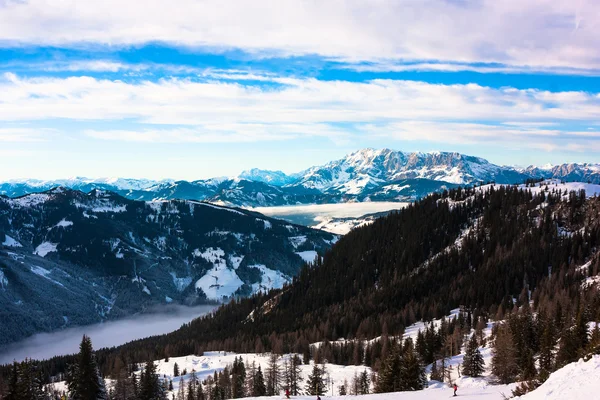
(337, 218)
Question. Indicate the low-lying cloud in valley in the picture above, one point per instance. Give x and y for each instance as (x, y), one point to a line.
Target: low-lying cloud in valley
(107, 334)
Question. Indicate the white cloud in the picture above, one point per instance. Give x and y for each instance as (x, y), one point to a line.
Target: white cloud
(181, 110)
(531, 34)
(23, 134)
(294, 101)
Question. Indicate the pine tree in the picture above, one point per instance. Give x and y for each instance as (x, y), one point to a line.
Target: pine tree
(315, 384)
(412, 373)
(473, 364)
(435, 373)
(200, 391)
(150, 386)
(364, 382)
(238, 372)
(84, 380)
(388, 379)
(12, 384)
(175, 370)
(259, 388)
(191, 388)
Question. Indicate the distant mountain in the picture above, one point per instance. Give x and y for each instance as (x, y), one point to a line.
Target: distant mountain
(69, 258)
(365, 175)
(589, 173)
(275, 178)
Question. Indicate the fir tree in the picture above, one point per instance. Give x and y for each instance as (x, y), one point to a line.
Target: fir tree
(364, 383)
(259, 388)
(435, 373)
(84, 380)
(315, 384)
(238, 378)
(412, 373)
(150, 386)
(473, 364)
(388, 378)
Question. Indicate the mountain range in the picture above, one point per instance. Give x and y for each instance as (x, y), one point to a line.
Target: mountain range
(71, 258)
(365, 175)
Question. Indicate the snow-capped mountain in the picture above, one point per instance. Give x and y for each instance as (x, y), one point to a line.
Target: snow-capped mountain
(275, 178)
(71, 258)
(569, 172)
(365, 175)
(367, 169)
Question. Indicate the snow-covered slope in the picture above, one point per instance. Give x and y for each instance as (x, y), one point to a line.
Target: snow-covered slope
(578, 380)
(68, 255)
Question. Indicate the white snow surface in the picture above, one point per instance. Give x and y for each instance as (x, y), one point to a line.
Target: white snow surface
(10, 242)
(308, 255)
(43, 249)
(219, 282)
(270, 279)
(63, 224)
(578, 380)
(212, 361)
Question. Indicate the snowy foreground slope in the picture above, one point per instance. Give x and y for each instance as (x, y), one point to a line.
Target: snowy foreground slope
(578, 380)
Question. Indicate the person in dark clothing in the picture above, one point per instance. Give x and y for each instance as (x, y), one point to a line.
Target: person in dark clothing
(455, 388)
(287, 393)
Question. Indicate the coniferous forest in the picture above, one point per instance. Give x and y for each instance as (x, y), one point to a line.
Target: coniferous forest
(497, 252)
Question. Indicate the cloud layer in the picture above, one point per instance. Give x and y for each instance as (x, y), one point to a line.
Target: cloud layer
(215, 109)
(533, 34)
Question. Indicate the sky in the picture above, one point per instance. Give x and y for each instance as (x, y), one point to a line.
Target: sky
(192, 89)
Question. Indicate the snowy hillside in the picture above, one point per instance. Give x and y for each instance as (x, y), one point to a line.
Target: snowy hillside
(68, 258)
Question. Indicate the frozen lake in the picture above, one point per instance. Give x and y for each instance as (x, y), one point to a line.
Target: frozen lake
(106, 334)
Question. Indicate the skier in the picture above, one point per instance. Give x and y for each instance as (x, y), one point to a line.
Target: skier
(318, 397)
(455, 387)
(287, 393)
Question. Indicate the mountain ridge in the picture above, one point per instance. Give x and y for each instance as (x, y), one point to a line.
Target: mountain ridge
(364, 175)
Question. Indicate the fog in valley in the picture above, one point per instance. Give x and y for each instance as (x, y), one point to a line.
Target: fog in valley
(113, 333)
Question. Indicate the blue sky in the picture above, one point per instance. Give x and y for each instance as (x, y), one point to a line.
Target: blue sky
(209, 88)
